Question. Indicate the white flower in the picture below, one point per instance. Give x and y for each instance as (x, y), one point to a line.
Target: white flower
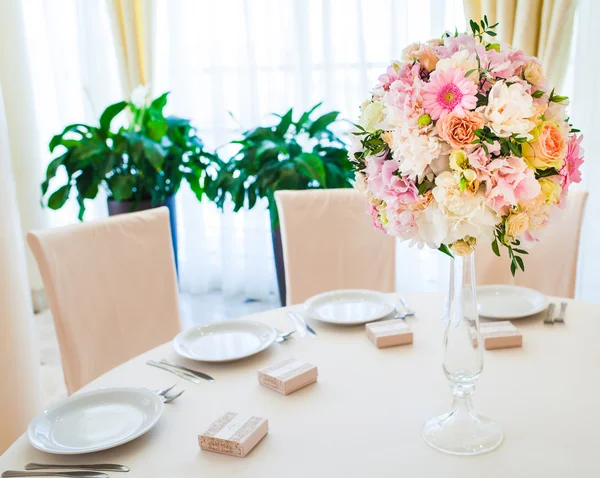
(509, 109)
(460, 214)
(140, 96)
(372, 115)
(461, 59)
(360, 182)
(416, 149)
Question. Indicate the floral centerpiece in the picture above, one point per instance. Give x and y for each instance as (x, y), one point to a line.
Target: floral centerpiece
(463, 142)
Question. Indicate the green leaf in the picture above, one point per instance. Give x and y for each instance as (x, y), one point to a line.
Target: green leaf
(72, 128)
(520, 263)
(154, 153)
(159, 103)
(537, 94)
(121, 187)
(109, 114)
(156, 128)
(321, 123)
(311, 166)
(471, 71)
(251, 197)
(463, 184)
(284, 124)
(306, 116)
(59, 197)
(495, 247)
(521, 251)
(513, 268)
(446, 250)
(491, 33)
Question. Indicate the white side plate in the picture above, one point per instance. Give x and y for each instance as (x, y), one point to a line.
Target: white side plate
(94, 421)
(349, 307)
(509, 301)
(224, 341)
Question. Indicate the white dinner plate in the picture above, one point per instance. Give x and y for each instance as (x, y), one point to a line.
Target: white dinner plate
(224, 341)
(509, 301)
(94, 421)
(349, 306)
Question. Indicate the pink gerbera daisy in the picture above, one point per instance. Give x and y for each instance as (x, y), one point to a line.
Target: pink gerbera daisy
(570, 172)
(449, 91)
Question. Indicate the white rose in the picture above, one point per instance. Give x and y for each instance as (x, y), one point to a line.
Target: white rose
(509, 109)
(372, 115)
(461, 59)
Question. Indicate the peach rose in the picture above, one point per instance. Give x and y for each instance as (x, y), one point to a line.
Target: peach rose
(533, 73)
(427, 58)
(548, 147)
(458, 130)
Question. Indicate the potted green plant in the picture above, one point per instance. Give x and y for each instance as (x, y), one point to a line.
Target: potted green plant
(139, 165)
(301, 154)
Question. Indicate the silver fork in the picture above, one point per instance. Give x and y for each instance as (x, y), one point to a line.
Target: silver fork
(409, 312)
(283, 337)
(170, 398)
(561, 313)
(549, 319)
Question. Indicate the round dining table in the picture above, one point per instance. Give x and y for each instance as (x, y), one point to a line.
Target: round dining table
(364, 415)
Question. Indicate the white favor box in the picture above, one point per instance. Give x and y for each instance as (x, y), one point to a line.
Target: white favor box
(288, 376)
(388, 333)
(499, 335)
(234, 434)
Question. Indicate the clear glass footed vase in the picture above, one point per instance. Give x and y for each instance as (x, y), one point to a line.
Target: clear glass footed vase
(462, 431)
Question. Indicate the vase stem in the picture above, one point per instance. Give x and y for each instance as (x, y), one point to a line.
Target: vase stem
(462, 431)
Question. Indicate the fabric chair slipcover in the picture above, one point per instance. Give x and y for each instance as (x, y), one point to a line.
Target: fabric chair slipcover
(112, 289)
(551, 265)
(329, 243)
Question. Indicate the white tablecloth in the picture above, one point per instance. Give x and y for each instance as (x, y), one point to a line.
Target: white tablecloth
(363, 417)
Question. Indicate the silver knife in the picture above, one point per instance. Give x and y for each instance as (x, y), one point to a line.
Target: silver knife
(179, 373)
(189, 370)
(299, 317)
(79, 474)
(561, 313)
(98, 467)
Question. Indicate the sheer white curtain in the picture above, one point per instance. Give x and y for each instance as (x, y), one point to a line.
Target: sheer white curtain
(229, 64)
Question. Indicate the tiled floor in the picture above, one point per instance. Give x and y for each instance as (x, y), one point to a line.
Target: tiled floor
(194, 310)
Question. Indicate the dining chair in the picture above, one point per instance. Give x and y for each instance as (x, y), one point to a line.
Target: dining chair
(112, 289)
(551, 265)
(329, 243)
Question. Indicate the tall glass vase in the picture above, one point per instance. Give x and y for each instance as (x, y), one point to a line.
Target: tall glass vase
(462, 431)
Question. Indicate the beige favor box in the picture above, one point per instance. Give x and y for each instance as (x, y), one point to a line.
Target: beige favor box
(389, 333)
(288, 376)
(499, 335)
(234, 434)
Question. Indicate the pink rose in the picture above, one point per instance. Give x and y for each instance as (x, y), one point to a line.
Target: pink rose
(458, 130)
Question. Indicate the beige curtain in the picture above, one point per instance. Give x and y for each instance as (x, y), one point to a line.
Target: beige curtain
(25, 147)
(539, 27)
(132, 22)
(20, 387)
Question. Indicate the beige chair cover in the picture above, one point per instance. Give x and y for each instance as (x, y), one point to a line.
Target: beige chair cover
(329, 243)
(112, 289)
(551, 266)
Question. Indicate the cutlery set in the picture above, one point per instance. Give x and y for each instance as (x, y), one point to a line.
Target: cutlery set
(83, 471)
(404, 311)
(550, 319)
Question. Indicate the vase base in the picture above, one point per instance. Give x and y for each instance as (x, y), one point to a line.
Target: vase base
(456, 434)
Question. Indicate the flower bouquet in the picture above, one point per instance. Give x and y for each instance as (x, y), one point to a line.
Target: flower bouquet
(463, 142)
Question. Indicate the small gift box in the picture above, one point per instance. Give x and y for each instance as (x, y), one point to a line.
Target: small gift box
(499, 335)
(288, 376)
(389, 333)
(234, 434)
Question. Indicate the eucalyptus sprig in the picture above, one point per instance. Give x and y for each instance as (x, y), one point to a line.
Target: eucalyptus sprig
(483, 28)
(512, 245)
